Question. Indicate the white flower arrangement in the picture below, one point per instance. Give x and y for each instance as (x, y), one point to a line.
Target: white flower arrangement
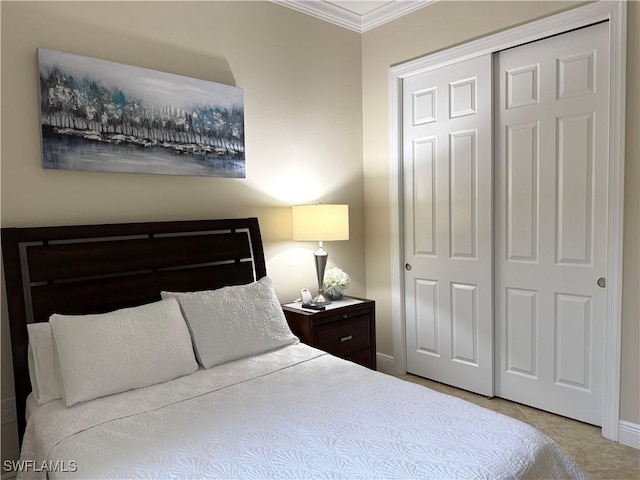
(336, 279)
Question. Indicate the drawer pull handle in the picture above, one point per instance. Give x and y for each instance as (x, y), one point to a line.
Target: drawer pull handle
(346, 339)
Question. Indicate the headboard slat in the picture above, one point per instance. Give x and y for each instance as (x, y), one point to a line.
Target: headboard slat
(107, 294)
(96, 257)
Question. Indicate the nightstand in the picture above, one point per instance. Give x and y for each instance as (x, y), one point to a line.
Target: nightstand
(346, 329)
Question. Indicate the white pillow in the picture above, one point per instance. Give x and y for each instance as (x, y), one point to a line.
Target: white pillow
(44, 380)
(113, 352)
(235, 322)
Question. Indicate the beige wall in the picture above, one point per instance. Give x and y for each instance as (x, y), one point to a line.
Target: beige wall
(438, 27)
(302, 85)
(630, 388)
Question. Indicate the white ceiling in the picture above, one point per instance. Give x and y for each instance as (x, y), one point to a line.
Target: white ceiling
(358, 15)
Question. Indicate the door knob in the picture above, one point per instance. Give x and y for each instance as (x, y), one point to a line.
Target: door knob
(602, 282)
(408, 266)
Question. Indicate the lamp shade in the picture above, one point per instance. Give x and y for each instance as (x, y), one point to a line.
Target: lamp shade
(320, 223)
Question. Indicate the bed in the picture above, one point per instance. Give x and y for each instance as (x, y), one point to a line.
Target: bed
(207, 381)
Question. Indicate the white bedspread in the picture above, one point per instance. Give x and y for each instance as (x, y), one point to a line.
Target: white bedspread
(292, 413)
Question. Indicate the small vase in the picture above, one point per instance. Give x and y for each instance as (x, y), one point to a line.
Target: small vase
(334, 294)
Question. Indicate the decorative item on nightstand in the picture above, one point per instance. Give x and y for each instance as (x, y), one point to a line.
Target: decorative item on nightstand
(335, 283)
(320, 223)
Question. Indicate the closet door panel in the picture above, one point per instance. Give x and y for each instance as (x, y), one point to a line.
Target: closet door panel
(551, 222)
(447, 173)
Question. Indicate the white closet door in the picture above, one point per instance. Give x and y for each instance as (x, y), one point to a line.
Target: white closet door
(551, 222)
(447, 170)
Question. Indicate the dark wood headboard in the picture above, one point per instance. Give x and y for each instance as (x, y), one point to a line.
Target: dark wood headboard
(98, 268)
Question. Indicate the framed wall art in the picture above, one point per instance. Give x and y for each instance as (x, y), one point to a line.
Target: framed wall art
(103, 116)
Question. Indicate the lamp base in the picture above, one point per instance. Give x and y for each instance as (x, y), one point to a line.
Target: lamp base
(321, 299)
(321, 262)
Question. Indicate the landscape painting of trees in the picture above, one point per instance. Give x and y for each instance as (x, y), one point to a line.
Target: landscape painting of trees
(97, 115)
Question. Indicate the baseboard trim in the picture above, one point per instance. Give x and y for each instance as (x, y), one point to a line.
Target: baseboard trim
(385, 363)
(629, 434)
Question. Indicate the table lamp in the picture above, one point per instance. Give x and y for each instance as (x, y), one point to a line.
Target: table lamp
(320, 223)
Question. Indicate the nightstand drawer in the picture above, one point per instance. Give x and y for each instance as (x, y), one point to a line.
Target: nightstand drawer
(363, 357)
(344, 336)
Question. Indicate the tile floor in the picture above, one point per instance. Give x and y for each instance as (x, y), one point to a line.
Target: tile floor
(599, 459)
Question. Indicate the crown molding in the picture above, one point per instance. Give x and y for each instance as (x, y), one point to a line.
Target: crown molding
(332, 12)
